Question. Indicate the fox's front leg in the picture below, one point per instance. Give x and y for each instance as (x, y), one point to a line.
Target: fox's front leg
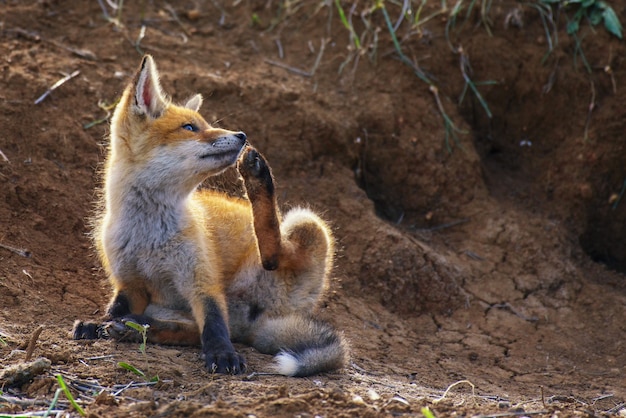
(208, 305)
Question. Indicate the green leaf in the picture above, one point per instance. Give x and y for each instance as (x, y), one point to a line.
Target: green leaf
(427, 412)
(572, 27)
(611, 22)
(136, 326)
(587, 3)
(69, 396)
(131, 368)
(595, 16)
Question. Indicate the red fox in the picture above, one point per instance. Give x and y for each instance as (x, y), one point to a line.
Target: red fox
(200, 267)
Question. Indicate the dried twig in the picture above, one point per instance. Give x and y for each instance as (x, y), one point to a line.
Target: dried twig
(23, 402)
(56, 86)
(279, 45)
(609, 70)
(512, 414)
(105, 357)
(32, 343)
(590, 109)
(319, 56)
(298, 71)
(19, 251)
(34, 36)
(448, 225)
(551, 79)
(172, 12)
(289, 68)
(442, 397)
(122, 388)
(4, 157)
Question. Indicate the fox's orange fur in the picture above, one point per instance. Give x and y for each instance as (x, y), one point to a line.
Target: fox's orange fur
(198, 266)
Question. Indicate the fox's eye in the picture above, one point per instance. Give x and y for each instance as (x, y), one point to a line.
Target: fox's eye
(190, 127)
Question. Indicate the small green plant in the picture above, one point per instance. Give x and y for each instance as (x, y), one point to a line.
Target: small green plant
(108, 108)
(427, 412)
(451, 129)
(348, 25)
(131, 368)
(594, 11)
(466, 71)
(3, 342)
(136, 371)
(143, 330)
(69, 396)
(255, 19)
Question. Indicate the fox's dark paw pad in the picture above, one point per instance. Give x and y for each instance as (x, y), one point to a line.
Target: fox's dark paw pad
(252, 164)
(225, 362)
(118, 330)
(270, 262)
(88, 331)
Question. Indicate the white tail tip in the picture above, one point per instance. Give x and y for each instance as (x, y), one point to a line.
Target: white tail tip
(286, 364)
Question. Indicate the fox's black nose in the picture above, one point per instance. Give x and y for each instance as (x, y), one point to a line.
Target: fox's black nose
(241, 136)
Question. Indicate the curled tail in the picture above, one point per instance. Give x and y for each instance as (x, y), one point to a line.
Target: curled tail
(303, 346)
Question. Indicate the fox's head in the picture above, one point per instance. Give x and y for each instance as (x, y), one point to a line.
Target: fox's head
(168, 143)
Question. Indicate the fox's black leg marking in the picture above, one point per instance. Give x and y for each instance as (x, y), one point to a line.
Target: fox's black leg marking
(255, 312)
(219, 354)
(119, 307)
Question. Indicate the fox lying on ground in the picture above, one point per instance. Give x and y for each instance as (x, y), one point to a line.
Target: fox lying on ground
(198, 266)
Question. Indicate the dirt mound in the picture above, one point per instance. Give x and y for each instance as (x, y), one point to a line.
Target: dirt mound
(481, 257)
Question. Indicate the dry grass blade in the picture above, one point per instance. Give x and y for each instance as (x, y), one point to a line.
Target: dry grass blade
(56, 86)
(299, 71)
(19, 251)
(512, 414)
(172, 12)
(460, 382)
(450, 127)
(32, 343)
(591, 108)
(466, 70)
(34, 36)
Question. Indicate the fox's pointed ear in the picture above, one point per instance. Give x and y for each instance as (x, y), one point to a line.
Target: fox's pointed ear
(149, 97)
(194, 103)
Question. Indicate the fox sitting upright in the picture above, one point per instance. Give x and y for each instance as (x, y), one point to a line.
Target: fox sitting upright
(197, 266)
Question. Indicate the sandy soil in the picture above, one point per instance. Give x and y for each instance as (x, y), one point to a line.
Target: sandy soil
(495, 260)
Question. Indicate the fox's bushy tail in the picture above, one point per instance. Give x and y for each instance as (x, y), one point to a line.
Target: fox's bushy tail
(303, 345)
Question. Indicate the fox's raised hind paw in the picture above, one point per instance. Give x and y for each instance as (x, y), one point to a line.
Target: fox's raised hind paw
(259, 185)
(252, 165)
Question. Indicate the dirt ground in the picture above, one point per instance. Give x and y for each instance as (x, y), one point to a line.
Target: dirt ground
(494, 260)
